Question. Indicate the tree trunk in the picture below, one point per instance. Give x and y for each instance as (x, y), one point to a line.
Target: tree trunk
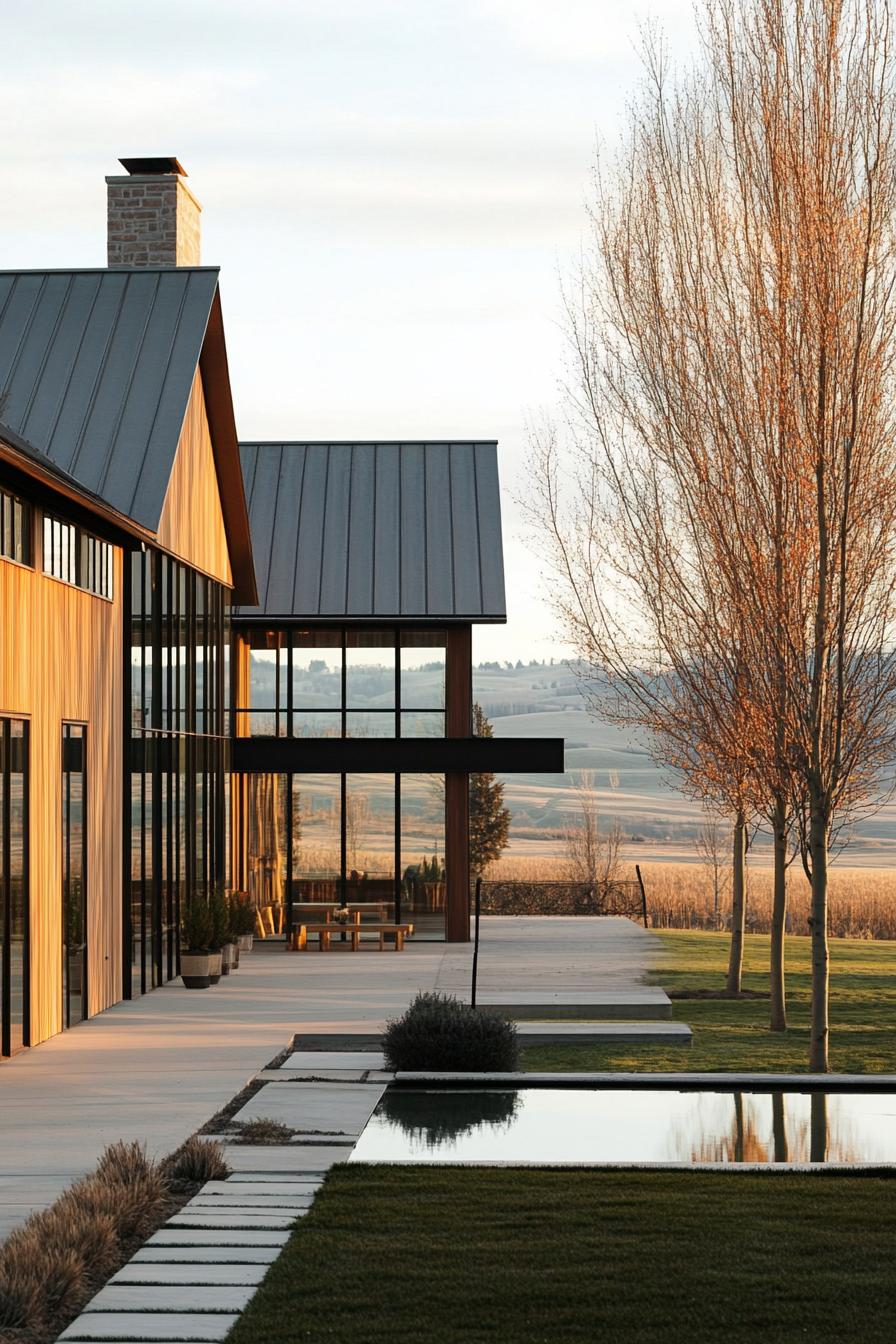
(818, 850)
(738, 906)
(779, 919)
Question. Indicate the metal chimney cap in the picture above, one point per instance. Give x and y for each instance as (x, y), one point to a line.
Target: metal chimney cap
(158, 167)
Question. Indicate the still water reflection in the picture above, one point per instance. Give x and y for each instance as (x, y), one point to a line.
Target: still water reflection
(659, 1125)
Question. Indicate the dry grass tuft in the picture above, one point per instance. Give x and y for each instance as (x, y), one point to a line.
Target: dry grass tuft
(195, 1162)
(262, 1130)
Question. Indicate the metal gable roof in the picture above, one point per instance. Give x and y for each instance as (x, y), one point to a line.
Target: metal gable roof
(375, 531)
(96, 368)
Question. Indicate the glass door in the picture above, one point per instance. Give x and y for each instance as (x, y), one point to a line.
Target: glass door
(74, 874)
(13, 885)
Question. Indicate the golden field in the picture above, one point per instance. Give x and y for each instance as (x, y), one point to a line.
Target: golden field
(680, 895)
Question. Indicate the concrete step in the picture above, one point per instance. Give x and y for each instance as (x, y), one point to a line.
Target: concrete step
(647, 1004)
(604, 1033)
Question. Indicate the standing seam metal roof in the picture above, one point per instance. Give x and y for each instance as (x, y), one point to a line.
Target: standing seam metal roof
(96, 368)
(385, 530)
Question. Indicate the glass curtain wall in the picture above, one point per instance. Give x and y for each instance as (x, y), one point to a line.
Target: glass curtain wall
(74, 874)
(179, 755)
(13, 885)
(318, 839)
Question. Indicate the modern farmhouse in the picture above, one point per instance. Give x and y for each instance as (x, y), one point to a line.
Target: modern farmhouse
(222, 666)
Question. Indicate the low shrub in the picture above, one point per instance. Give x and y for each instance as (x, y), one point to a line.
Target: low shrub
(124, 1163)
(195, 1162)
(438, 1033)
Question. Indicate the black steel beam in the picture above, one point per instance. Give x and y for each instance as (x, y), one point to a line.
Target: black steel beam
(398, 756)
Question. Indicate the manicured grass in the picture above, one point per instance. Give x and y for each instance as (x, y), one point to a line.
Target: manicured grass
(734, 1035)
(469, 1256)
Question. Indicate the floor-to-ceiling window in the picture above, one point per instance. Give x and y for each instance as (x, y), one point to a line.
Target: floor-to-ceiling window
(13, 885)
(351, 837)
(74, 874)
(179, 755)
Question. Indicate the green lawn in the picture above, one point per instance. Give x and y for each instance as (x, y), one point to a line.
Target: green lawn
(734, 1034)
(437, 1255)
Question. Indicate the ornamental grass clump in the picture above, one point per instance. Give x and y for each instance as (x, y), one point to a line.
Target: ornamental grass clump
(195, 1162)
(439, 1034)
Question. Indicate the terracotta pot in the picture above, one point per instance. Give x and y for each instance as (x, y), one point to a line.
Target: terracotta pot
(214, 967)
(194, 969)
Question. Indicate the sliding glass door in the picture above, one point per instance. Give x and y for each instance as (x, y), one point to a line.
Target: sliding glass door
(13, 885)
(74, 874)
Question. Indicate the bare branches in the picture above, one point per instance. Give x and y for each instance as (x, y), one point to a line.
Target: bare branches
(722, 514)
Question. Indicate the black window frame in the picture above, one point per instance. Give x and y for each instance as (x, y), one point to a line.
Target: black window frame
(85, 561)
(6, 722)
(284, 708)
(16, 529)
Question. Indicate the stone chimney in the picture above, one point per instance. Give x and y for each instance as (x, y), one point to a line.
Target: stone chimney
(153, 217)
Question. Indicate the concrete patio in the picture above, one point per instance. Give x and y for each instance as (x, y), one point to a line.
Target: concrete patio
(157, 1068)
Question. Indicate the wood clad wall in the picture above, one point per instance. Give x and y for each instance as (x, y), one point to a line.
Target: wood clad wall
(60, 658)
(192, 525)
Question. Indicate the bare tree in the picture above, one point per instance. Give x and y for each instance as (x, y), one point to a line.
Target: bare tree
(711, 845)
(592, 855)
(725, 538)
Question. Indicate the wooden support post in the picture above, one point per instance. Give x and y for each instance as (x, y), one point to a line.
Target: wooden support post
(458, 723)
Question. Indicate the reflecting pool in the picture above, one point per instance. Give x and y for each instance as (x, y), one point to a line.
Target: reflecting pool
(546, 1124)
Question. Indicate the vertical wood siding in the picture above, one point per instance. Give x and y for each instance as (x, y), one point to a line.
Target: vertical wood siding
(192, 525)
(60, 658)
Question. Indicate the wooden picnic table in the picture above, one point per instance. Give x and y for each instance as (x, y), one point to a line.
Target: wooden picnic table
(298, 941)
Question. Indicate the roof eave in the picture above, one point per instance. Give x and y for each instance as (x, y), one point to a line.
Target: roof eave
(225, 446)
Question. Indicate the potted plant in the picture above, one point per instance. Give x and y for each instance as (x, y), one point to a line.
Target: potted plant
(221, 941)
(195, 939)
(242, 916)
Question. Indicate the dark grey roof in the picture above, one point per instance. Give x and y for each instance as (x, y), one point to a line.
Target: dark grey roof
(375, 530)
(96, 369)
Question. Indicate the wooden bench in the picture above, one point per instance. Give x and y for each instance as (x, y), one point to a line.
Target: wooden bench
(400, 932)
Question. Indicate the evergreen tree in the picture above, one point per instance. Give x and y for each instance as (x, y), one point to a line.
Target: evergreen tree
(489, 818)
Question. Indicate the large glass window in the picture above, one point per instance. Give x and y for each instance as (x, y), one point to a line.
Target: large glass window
(13, 885)
(179, 755)
(74, 874)
(343, 683)
(15, 528)
(319, 840)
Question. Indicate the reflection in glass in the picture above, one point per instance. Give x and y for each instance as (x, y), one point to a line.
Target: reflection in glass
(422, 658)
(422, 830)
(317, 670)
(370, 837)
(74, 875)
(316, 723)
(369, 724)
(422, 723)
(13, 882)
(370, 671)
(317, 844)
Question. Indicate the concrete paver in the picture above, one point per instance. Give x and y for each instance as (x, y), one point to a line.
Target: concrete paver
(285, 1160)
(147, 1326)
(213, 1255)
(337, 1060)
(324, 1107)
(170, 1297)
(217, 1236)
(230, 1275)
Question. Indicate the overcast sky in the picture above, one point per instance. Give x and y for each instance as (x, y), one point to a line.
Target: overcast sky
(391, 188)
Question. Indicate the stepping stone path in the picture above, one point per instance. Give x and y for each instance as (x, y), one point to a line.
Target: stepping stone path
(195, 1275)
